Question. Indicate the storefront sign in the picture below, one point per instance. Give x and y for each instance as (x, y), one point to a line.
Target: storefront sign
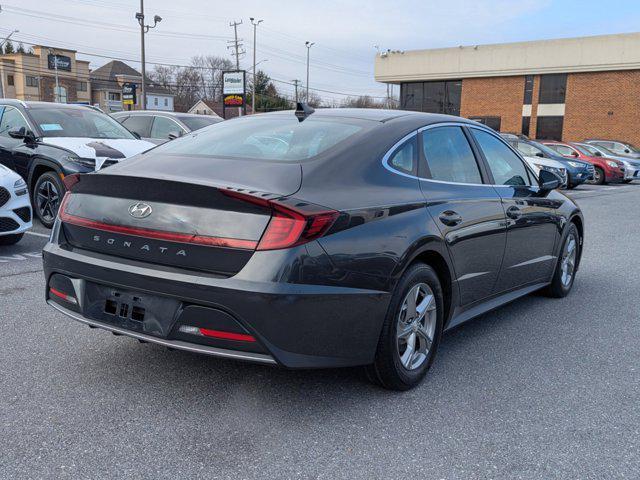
(129, 94)
(59, 62)
(233, 100)
(233, 83)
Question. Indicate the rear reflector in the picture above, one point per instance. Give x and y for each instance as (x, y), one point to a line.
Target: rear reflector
(63, 296)
(205, 332)
(289, 225)
(155, 234)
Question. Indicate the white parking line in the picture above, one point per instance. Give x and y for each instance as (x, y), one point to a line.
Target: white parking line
(36, 234)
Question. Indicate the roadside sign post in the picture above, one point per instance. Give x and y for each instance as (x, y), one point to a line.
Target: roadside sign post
(234, 91)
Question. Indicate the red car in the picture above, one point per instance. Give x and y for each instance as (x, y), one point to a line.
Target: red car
(606, 169)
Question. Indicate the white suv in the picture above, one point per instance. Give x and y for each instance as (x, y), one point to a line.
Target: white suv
(15, 209)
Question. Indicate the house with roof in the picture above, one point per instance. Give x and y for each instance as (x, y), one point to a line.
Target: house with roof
(106, 89)
(210, 107)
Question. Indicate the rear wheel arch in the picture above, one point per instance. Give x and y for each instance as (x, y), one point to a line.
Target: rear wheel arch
(439, 264)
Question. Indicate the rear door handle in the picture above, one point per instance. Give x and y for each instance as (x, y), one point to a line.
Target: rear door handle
(514, 212)
(450, 218)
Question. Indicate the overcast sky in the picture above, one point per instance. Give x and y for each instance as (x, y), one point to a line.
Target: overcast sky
(344, 32)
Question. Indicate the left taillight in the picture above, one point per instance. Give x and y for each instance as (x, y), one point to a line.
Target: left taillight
(291, 223)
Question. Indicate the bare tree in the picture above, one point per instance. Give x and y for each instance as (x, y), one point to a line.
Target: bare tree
(363, 101)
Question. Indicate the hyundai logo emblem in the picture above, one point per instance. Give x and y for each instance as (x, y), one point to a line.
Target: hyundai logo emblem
(140, 210)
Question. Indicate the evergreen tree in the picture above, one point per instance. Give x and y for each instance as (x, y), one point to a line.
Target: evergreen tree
(21, 48)
(8, 47)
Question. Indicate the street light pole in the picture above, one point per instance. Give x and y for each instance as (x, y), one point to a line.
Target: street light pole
(144, 29)
(253, 92)
(308, 45)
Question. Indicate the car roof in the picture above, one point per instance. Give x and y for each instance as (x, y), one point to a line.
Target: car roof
(35, 105)
(155, 112)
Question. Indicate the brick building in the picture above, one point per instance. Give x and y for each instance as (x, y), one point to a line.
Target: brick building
(32, 76)
(567, 89)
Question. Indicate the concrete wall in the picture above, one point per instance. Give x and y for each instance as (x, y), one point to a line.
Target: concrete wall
(586, 54)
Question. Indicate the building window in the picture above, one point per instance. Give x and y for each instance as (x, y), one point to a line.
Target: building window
(10, 80)
(155, 101)
(114, 96)
(491, 122)
(432, 97)
(61, 94)
(82, 86)
(553, 88)
(528, 89)
(31, 81)
(166, 102)
(526, 125)
(549, 128)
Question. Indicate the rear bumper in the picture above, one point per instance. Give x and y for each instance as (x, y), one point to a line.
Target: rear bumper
(295, 325)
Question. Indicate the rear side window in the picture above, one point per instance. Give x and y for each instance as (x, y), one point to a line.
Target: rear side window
(449, 155)
(505, 165)
(277, 137)
(404, 157)
(140, 124)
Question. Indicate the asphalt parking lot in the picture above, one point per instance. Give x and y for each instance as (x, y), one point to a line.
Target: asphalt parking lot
(540, 388)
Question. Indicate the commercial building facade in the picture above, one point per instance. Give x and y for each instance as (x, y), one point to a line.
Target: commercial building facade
(32, 76)
(567, 89)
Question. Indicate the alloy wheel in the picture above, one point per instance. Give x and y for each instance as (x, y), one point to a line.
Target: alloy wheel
(569, 255)
(416, 326)
(48, 200)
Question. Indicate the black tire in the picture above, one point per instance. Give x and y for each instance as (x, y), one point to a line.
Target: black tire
(628, 180)
(559, 288)
(598, 177)
(11, 239)
(388, 369)
(46, 209)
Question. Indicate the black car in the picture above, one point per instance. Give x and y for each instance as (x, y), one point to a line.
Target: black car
(332, 238)
(44, 142)
(578, 172)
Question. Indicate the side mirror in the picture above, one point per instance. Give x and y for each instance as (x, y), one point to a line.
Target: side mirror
(23, 134)
(175, 134)
(598, 154)
(626, 150)
(540, 154)
(548, 181)
(575, 154)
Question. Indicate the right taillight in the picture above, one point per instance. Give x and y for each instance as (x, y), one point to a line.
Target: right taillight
(290, 225)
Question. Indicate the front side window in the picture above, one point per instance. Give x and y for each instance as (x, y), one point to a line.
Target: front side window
(404, 157)
(449, 155)
(563, 150)
(163, 126)
(77, 122)
(529, 150)
(12, 119)
(505, 165)
(140, 124)
(279, 137)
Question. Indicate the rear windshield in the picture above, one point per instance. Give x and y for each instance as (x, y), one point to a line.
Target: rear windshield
(277, 137)
(77, 122)
(196, 123)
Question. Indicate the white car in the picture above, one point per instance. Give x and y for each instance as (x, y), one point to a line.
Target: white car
(15, 209)
(539, 163)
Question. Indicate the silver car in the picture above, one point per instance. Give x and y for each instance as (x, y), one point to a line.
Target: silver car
(623, 149)
(159, 127)
(631, 165)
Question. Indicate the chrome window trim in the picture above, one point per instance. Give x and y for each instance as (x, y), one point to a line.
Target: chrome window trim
(391, 151)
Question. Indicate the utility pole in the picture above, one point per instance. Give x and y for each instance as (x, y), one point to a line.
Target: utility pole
(56, 95)
(236, 45)
(2, 45)
(295, 83)
(253, 92)
(144, 29)
(308, 45)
